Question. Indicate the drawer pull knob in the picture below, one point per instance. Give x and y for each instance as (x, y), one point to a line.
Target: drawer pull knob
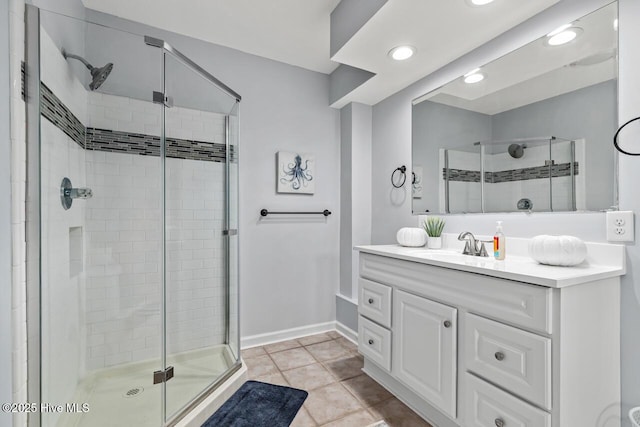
(370, 300)
(499, 422)
(447, 324)
(370, 342)
(499, 356)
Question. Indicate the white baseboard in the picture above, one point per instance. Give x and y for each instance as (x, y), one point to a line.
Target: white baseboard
(286, 334)
(348, 333)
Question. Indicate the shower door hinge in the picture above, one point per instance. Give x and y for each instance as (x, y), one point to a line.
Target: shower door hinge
(231, 232)
(161, 98)
(163, 376)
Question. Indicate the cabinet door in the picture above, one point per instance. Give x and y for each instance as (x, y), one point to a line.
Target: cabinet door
(424, 345)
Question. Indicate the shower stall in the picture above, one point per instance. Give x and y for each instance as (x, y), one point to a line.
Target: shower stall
(542, 174)
(132, 239)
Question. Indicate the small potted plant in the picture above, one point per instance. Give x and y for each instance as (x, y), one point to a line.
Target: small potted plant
(434, 225)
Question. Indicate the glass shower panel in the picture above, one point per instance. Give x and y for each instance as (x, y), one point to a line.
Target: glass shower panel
(461, 179)
(232, 240)
(563, 171)
(197, 120)
(101, 269)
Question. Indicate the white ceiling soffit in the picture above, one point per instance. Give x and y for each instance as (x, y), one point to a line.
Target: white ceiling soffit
(537, 71)
(440, 30)
(292, 31)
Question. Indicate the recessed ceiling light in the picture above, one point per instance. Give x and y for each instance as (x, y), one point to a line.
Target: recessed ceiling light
(400, 53)
(473, 76)
(567, 34)
(474, 3)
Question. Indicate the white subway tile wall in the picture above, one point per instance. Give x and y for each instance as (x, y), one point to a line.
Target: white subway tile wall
(124, 238)
(63, 325)
(133, 115)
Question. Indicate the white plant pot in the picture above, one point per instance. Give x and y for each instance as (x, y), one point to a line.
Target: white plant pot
(434, 242)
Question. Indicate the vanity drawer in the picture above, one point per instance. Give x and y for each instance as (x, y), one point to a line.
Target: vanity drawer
(374, 342)
(488, 406)
(512, 358)
(374, 301)
(518, 303)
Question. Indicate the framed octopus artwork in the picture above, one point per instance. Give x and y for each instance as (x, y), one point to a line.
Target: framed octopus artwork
(296, 173)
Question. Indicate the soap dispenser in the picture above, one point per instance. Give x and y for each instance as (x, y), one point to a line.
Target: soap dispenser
(499, 243)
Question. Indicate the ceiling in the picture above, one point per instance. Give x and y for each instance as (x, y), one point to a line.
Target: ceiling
(537, 71)
(292, 31)
(297, 32)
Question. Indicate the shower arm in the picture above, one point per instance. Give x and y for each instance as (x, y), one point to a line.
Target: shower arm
(79, 58)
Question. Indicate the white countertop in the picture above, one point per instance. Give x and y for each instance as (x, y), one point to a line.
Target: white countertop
(515, 266)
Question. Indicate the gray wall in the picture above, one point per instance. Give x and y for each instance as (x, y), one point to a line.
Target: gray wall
(392, 147)
(448, 127)
(348, 17)
(346, 180)
(629, 107)
(65, 32)
(5, 218)
(355, 201)
(344, 79)
(588, 113)
(289, 268)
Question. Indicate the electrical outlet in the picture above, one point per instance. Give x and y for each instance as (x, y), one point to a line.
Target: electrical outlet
(620, 226)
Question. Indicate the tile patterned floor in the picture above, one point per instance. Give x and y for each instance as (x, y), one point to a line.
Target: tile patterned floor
(328, 366)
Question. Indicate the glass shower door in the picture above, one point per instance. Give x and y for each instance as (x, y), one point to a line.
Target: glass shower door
(101, 251)
(197, 207)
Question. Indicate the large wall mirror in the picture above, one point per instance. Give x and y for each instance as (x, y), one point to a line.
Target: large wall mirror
(531, 131)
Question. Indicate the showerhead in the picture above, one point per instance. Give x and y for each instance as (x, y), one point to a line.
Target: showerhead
(516, 150)
(99, 75)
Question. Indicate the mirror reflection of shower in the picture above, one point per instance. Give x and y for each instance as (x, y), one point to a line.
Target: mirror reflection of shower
(99, 75)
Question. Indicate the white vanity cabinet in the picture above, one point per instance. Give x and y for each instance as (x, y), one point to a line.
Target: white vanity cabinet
(474, 350)
(424, 344)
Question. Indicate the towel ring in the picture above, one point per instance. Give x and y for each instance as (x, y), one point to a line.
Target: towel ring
(403, 171)
(615, 139)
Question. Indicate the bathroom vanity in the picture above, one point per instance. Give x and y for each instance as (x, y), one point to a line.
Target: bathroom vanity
(474, 342)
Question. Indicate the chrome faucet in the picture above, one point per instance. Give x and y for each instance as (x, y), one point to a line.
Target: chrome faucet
(472, 245)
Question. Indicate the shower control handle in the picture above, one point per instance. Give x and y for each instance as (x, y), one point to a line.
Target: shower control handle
(68, 193)
(79, 193)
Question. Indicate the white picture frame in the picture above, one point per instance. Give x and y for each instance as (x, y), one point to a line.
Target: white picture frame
(296, 173)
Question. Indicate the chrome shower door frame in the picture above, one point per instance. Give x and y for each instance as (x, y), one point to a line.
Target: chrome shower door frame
(228, 234)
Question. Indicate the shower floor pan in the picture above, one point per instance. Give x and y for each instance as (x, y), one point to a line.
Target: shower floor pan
(126, 396)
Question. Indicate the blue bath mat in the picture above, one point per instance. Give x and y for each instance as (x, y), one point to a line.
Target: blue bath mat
(258, 404)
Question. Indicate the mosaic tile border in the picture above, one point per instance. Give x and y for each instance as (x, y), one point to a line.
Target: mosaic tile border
(23, 81)
(54, 110)
(524, 174)
(149, 145)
